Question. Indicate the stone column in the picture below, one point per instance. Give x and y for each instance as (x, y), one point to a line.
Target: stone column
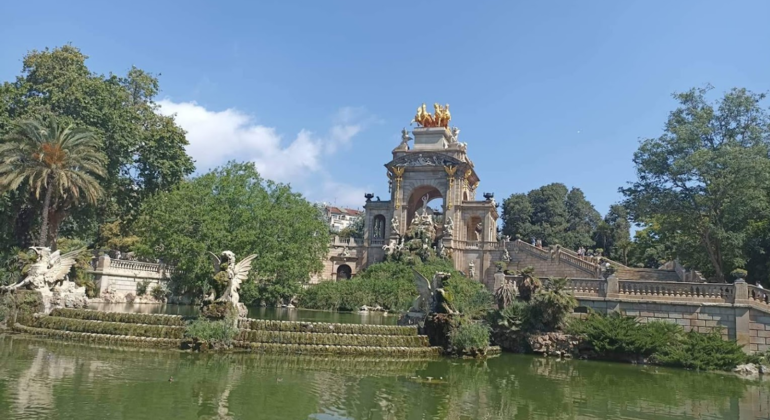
(742, 313)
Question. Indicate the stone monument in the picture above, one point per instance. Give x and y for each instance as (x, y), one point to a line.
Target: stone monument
(226, 283)
(49, 276)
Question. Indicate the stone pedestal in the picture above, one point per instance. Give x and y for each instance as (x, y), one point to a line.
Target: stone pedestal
(66, 295)
(433, 138)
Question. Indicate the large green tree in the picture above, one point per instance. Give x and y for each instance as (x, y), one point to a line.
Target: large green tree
(233, 208)
(57, 161)
(145, 150)
(552, 213)
(613, 234)
(705, 180)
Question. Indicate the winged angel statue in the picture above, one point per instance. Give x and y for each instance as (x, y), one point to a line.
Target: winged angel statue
(229, 277)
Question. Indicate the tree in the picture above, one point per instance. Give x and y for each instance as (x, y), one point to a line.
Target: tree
(553, 214)
(354, 230)
(145, 150)
(233, 208)
(705, 179)
(613, 233)
(59, 161)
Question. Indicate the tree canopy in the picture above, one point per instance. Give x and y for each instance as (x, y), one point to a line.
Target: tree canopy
(553, 214)
(233, 208)
(704, 182)
(145, 150)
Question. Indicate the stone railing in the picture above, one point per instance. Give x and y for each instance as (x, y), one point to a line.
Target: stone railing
(578, 262)
(587, 287)
(519, 245)
(139, 266)
(656, 290)
(377, 242)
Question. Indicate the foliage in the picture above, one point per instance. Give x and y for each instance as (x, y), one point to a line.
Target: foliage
(59, 161)
(505, 295)
(141, 287)
(232, 208)
(702, 352)
(276, 292)
(553, 303)
(618, 336)
(529, 284)
(16, 264)
(353, 230)
(145, 150)
(125, 317)
(221, 331)
(19, 306)
(468, 296)
(394, 294)
(114, 235)
(613, 234)
(704, 181)
(468, 336)
(650, 248)
(515, 318)
(739, 273)
(553, 214)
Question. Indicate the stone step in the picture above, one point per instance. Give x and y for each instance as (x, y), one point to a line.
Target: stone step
(107, 328)
(123, 317)
(326, 327)
(337, 350)
(314, 338)
(648, 274)
(104, 339)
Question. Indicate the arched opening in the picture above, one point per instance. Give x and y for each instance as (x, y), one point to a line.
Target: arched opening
(378, 227)
(344, 272)
(475, 229)
(426, 198)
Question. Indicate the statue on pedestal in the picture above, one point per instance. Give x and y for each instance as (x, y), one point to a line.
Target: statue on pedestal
(472, 270)
(227, 281)
(49, 275)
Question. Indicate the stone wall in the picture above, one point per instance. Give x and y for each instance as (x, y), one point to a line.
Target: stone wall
(759, 331)
(122, 276)
(741, 311)
(691, 316)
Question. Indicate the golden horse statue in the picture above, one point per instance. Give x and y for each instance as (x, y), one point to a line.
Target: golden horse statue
(440, 118)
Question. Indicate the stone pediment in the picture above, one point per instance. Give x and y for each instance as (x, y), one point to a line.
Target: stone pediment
(424, 159)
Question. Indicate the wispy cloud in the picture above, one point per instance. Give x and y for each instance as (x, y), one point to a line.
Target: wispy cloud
(218, 136)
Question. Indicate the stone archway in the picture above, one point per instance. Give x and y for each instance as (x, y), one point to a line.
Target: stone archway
(415, 201)
(344, 272)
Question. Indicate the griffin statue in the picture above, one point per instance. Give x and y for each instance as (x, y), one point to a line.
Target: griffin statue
(49, 276)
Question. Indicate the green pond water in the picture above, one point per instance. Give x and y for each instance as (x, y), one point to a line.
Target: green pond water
(42, 379)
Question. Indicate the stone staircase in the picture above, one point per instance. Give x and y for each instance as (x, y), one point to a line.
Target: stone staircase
(649, 274)
(264, 336)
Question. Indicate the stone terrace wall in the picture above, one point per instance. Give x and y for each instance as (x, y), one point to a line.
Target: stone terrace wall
(740, 310)
(122, 276)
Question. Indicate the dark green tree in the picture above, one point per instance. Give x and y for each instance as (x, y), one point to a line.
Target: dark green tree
(145, 150)
(233, 208)
(705, 179)
(553, 214)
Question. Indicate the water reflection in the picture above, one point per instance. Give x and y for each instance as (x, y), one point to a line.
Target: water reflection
(46, 379)
(283, 314)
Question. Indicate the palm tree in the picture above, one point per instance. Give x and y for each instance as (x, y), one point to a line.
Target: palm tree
(53, 159)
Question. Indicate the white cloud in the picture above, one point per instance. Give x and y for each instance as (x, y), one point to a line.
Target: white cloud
(218, 136)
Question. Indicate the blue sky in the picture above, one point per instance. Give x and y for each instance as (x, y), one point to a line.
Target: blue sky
(316, 92)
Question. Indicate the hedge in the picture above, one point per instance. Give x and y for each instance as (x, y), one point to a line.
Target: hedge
(325, 327)
(307, 338)
(130, 318)
(111, 328)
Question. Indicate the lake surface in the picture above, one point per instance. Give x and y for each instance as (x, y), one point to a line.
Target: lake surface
(42, 379)
(283, 314)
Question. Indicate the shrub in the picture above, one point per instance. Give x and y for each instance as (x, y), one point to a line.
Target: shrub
(349, 295)
(514, 318)
(141, 287)
(222, 331)
(158, 292)
(505, 295)
(468, 336)
(552, 303)
(19, 306)
(468, 296)
(702, 352)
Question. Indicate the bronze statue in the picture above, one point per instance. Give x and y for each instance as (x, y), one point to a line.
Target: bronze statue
(440, 118)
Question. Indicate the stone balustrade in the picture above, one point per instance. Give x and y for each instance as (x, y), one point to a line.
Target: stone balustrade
(578, 262)
(759, 296)
(519, 245)
(587, 287)
(657, 290)
(140, 266)
(341, 241)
